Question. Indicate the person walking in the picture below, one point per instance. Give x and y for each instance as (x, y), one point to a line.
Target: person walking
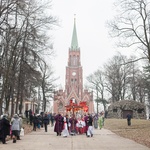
(4, 128)
(15, 127)
(39, 121)
(35, 122)
(100, 122)
(86, 123)
(26, 113)
(45, 121)
(52, 120)
(95, 120)
(73, 121)
(65, 131)
(58, 124)
(30, 116)
(90, 126)
(129, 119)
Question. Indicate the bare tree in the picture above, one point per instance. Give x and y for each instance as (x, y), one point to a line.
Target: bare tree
(46, 84)
(117, 77)
(146, 84)
(131, 26)
(24, 41)
(96, 82)
(134, 79)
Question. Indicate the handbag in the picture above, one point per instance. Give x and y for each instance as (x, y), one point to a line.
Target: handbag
(22, 132)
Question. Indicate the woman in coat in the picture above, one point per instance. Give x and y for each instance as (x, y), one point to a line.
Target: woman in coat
(4, 128)
(15, 127)
(58, 124)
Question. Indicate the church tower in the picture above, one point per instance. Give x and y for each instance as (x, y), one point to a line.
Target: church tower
(73, 81)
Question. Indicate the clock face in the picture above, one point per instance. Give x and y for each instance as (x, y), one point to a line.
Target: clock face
(73, 73)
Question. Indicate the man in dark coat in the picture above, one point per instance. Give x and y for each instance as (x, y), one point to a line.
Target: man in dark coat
(58, 124)
(35, 122)
(129, 119)
(52, 120)
(4, 128)
(86, 123)
(90, 126)
(45, 121)
(27, 114)
(30, 116)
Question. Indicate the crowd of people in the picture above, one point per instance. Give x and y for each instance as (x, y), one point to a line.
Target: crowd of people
(79, 124)
(63, 124)
(39, 120)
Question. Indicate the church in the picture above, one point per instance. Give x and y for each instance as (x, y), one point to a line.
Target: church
(73, 82)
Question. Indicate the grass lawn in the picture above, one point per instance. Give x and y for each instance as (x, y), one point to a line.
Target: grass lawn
(139, 130)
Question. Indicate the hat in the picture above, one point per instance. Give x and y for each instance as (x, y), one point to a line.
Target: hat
(5, 116)
(15, 116)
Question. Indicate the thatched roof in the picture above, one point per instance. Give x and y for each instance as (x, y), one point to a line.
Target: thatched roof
(127, 105)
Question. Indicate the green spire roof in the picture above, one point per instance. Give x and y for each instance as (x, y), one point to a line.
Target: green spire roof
(74, 43)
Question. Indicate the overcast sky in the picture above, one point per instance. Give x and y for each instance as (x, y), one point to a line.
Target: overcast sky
(96, 46)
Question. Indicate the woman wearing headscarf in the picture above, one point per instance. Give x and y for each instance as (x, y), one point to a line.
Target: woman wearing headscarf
(15, 127)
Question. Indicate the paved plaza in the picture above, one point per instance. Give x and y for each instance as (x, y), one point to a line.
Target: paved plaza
(102, 140)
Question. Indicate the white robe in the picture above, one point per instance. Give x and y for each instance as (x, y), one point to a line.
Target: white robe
(65, 131)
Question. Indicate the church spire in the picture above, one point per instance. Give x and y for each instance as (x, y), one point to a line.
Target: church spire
(74, 43)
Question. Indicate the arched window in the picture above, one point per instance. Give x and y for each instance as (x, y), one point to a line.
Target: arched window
(60, 107)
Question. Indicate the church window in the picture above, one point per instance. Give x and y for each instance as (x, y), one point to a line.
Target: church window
(75, 80)
(72, 81)
(60, 106)
(78, 59)
(74, 60)
(70, 60)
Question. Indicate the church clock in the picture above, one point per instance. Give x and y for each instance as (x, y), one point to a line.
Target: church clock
(74, 73)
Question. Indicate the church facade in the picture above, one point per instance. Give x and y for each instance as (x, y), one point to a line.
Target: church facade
(73, 81)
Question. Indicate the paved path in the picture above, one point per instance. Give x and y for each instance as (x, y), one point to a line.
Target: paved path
(102, 140)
